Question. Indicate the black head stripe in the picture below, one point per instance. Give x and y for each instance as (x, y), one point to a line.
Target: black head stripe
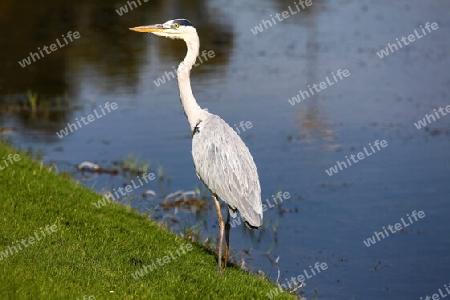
(183, 22)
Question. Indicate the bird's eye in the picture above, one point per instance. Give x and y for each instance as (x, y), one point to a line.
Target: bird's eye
(176, 25)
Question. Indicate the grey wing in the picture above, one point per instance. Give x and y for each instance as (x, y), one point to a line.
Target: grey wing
(225, 165)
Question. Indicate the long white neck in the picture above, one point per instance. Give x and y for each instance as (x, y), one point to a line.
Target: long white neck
(192, 110)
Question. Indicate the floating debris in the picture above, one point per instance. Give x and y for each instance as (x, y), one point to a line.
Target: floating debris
(88, 165)
(183, 200)
(91, 167)
(6, 129)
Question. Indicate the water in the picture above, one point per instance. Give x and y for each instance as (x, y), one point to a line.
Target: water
(250, 79)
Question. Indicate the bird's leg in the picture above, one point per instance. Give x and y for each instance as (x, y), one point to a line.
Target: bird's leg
(221, 226)
(227, 238)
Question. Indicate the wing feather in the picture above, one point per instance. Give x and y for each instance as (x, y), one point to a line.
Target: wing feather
(224, 163)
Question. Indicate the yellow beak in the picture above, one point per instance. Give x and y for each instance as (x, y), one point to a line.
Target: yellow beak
(150, 28)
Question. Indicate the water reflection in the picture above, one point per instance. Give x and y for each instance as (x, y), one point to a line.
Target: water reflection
(107, 52)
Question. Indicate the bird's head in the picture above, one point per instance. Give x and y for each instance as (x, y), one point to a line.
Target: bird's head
(174, 29)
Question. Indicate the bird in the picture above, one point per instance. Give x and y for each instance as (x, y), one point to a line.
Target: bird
(221, 159)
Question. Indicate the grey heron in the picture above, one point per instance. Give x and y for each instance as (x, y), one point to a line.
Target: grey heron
(222, 161)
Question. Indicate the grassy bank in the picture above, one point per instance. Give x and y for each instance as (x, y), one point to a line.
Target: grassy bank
(54, 244)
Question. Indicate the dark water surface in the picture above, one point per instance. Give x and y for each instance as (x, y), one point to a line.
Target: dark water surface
(250, 79)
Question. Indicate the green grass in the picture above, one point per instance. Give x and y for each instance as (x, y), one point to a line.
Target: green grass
(95, 251)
